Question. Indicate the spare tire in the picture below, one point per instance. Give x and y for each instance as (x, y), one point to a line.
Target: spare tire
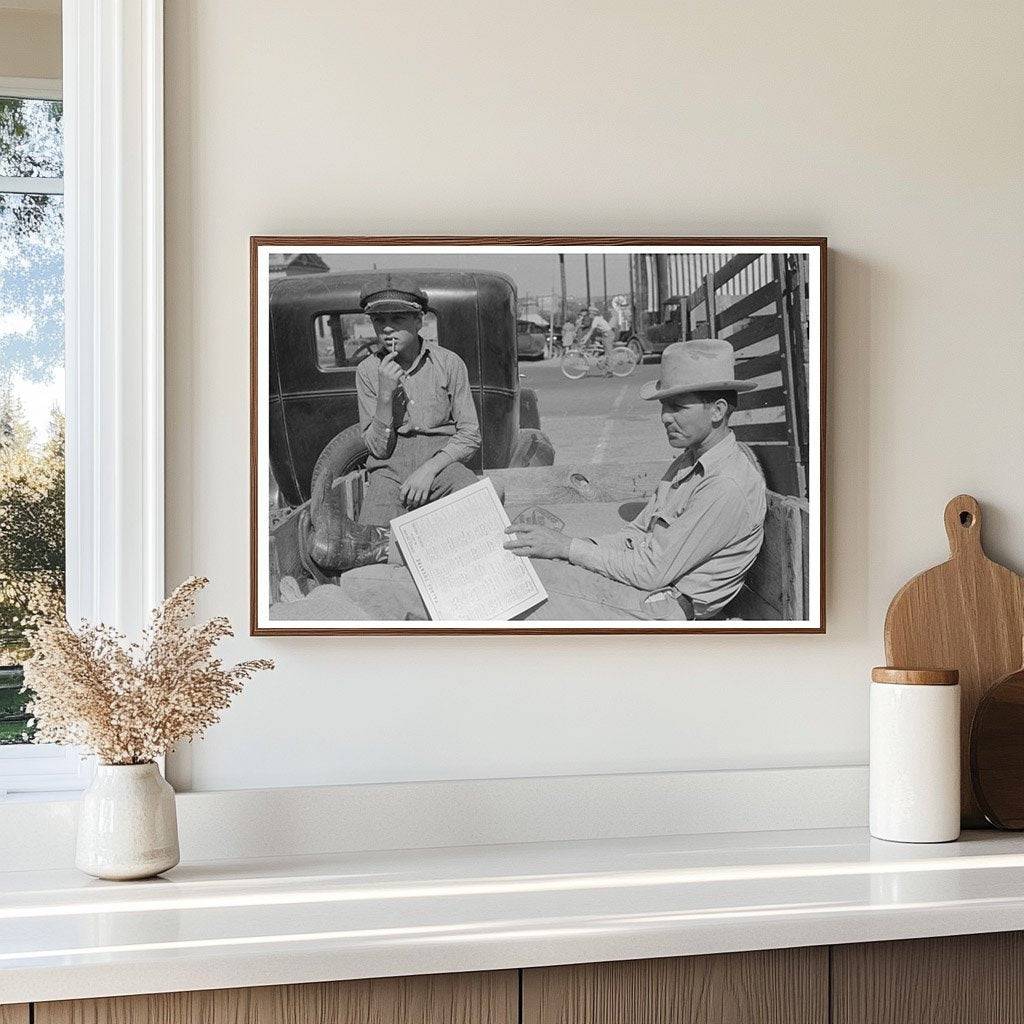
(342, 454)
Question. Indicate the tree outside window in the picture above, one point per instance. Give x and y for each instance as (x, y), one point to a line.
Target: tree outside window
(31, 387)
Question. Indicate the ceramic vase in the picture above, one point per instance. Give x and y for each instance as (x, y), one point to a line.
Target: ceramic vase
(127, 825)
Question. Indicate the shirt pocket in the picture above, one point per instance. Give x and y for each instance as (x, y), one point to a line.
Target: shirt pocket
(440, 410)
(672, 502)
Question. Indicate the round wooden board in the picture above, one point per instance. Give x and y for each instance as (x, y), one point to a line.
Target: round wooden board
(997, 752)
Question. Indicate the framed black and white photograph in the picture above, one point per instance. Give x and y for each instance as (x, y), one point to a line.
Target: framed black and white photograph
(537, 435)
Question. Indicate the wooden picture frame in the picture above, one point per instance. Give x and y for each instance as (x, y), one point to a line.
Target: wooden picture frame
(767, 293)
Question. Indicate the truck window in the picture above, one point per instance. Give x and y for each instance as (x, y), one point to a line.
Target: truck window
(344, 340)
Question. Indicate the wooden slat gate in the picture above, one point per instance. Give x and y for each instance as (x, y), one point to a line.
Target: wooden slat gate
(768, 330)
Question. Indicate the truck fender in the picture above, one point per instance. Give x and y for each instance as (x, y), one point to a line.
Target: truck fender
(532, 448)
(529, 410)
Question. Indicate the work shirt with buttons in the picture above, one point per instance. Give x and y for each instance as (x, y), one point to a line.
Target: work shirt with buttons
(699, 533)
(437, 401)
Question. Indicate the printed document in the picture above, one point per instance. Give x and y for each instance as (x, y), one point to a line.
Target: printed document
(454, 550)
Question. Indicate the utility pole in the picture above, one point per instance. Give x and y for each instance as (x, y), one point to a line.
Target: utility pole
(586, 267)
(604, 271)
(632, 293)
(561, 270)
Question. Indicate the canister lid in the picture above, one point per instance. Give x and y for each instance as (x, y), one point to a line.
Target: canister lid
(916, 676)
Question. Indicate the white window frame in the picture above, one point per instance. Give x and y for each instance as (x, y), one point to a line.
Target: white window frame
(114, 334)
(31, 88)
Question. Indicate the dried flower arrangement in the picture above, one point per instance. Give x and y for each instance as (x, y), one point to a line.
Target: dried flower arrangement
(130, 703)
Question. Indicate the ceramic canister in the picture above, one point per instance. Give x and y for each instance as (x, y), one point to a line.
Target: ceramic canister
(915, 755)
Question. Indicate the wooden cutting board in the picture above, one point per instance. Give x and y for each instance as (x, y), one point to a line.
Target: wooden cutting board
(967, 614)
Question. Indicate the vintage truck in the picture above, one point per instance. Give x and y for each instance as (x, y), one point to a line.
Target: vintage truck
(653, 332)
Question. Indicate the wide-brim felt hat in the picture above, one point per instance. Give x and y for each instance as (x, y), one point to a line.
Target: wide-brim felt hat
(390, 293)
(707, 364)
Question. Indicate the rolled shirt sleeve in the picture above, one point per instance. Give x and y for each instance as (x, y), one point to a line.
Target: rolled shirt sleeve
(379, 438)
(716, 512)
(465, 441)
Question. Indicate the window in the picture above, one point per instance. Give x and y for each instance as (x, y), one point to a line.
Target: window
(32, 564)
(32, 472)
(344, 340)
(111, 156)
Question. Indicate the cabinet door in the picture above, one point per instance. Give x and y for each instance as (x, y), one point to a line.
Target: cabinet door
(14, 1013)
(961, 979)
(482, 998)
(777, 986)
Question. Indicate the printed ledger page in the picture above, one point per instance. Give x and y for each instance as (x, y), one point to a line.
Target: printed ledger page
(454, 550)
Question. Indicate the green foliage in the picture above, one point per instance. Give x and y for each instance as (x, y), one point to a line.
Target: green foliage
(31, 134)
(14, 727)
(31, 546)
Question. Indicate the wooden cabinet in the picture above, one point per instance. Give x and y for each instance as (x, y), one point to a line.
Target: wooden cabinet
(491, 998)
(962, 979)
(970, 979)
(775, 986)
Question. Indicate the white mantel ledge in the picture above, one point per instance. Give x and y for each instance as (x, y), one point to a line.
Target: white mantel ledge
(355, 915)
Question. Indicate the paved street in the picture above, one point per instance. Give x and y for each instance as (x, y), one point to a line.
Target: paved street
(597, 419)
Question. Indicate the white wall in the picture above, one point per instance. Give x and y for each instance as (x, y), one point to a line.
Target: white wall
(894, 129)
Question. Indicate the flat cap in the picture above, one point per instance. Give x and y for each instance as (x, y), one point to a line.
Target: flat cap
(389, 293)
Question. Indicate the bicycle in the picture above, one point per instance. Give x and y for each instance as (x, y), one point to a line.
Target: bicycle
(577, 362)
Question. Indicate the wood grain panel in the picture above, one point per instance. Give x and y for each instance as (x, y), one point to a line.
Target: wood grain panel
(778, 986)
(14, 1013)
(963, 979)
(480, 998)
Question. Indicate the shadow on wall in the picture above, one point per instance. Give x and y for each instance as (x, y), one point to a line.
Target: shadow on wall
(855, 289)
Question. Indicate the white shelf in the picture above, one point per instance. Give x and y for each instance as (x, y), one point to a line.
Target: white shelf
(351, 915)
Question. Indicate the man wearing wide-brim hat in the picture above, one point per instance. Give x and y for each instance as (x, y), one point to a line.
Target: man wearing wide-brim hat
(419, 423)
(685, 555)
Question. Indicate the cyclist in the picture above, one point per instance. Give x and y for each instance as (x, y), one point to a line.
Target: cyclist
(595, 326)
(569, 331)
(620, 318)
